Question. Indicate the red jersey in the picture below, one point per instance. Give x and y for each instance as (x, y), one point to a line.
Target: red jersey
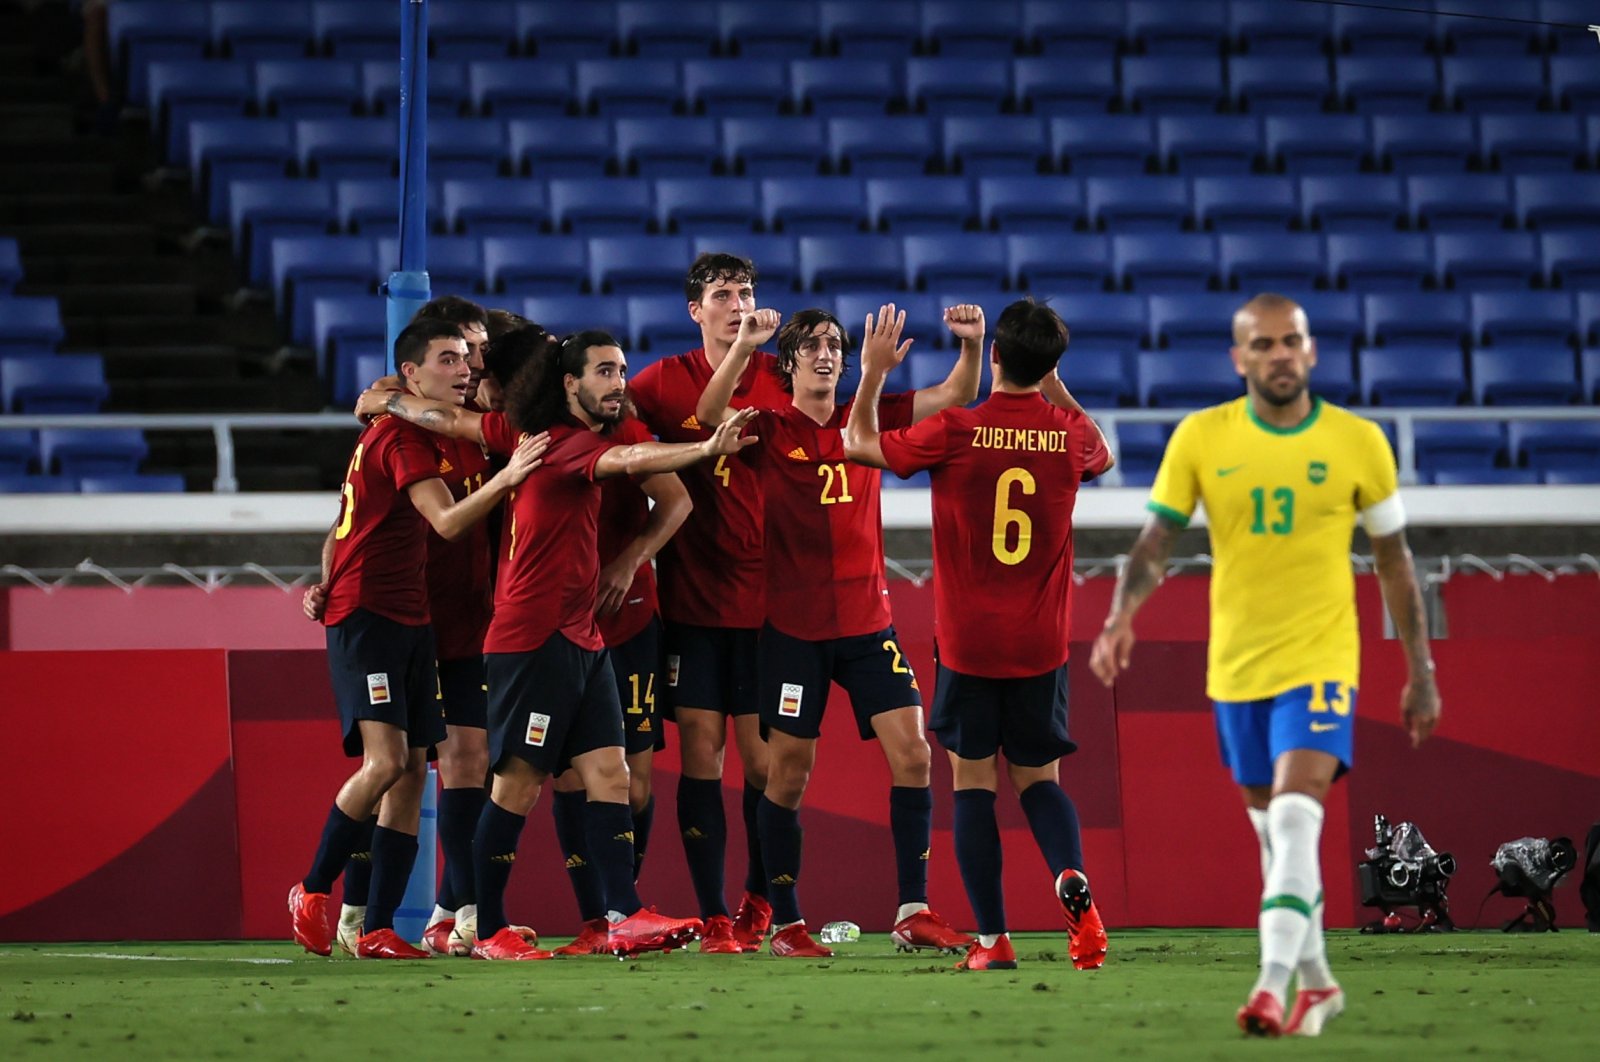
(1005, 478)
(624, 510)
(711, 570)
(824, 552)
(378, 544)
(549, 566)
(460, 591)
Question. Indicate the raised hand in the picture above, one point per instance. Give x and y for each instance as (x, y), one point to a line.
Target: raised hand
(726, 439)
(528, 456)
(374, 402)
(965, 321)
(881, 349)
(758, 326)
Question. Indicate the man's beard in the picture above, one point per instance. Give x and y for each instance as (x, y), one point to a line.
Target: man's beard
(1273, 398)
(598, 414)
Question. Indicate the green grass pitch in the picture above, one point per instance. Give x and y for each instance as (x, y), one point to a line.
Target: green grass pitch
(1161, 994)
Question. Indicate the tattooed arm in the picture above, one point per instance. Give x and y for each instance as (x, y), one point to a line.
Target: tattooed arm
(1146, 568)
(1402, 596)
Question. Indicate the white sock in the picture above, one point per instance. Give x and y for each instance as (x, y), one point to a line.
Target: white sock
(1294, 880)
(989, 940)
(907, 910)
(1258, 819)
(1063, 876)
(1312, 968)
(467, 915)
(439, 915)
(352, 917)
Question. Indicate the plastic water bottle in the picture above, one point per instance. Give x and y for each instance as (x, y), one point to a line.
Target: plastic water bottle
(840, 933)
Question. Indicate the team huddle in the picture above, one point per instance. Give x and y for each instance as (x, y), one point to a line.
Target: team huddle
(741, 481)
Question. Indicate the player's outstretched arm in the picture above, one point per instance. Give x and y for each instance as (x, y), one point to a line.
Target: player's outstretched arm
(1056, 393)
(755, 328)
(650, 458)
(441, 417)
(881, 351)
(961, 386)
(1146, 568)
(671, 509)
(452, 519)
(1402, 596)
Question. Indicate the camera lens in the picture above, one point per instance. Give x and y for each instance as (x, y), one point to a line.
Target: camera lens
(1399, 875)
(1447, 864)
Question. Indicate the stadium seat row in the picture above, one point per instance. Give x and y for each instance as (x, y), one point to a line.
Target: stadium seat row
(59, 383)
(72, 452)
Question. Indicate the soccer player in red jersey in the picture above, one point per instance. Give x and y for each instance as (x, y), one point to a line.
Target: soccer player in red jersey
(1005, 478)
(712, 592)
(553, 699)
(828, 600)
(373, 601)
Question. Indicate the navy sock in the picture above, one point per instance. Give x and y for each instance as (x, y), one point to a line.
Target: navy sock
(341, 835)
(393, 855)
(755, 877)
(979, 857)
(704, 825)
(911, 822)
(1054, 821)
(643, 820)
(459, 810)
(494, 853)
(358, 870)
(780, 851)
(610, 830)
(570, 816)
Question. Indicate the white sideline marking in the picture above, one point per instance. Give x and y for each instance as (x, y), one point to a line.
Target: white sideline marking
(158, 958)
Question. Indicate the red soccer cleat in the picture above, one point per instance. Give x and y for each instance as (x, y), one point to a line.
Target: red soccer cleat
(719, 938)
(592, 941)
(644, 930)
(999, 957)
(308, 915)
(1263, 1015)
(436, 938)
(927, 930)
(527, 934)
(751, 921)
(1086, 933)
(507, 945)
(793, 942)
(386, 944)
(1314, 1007)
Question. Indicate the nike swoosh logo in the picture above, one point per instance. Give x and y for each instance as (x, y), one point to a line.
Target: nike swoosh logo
(1228, 471)
(1323, 728)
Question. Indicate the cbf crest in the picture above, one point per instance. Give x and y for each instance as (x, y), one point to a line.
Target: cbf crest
(1316, 472)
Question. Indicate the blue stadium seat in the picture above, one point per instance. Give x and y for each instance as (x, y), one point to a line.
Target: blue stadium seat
(1160, 27)
(1571, 259)
(1515, 33)
(881, 146)
(1097, 377)
(336, 148)
(520, 88)
(784, 147)
(999, 145)
(1046, 86)
(62, 383)
(1574, 81)
(136, 483)
(30, 322)
(919, 205)
(1161, 84)
(814, 205)
(1334, 376)
(637, 265)
(1273, 83)
(262, 208)
(341, 324)
(916, 481)
(1482, 260)
(1424, 143)
(142, 33)
(776, 258)
(495, 206)
(1208, 143)
(888, 29)
(467, 147)
(561, 314)
(1459, 444)
(447, 86)
(666, 147)
(1547, 445)
(1571, 477)
(1269, 28)
(1164, 263)
(1315, 143)
(18, 450)
(1379, 261)
(924, 320)
(91, 451)
(465, 32)
(1527, 376)
(1412, 376)
(942, 86)
(371, 205)
(926, 368)
(826, 88)
(1169, 378)
(559, 147)
(249, 29)
(613, 207)
(1090, 28)
(1139, 450)
(638, 88)
(1197, 323)
(1589, 373)
(225, 149)
(735, 88)
(1571, 15)
(307, 88)
(1415, 319)
(1055, 262)
(1493, 82)
(706, 205)
(1530, 143)
(1379, 84)
(660, 324)
(1120, 321)
(304, 267)
(356, 29)
(183, 90)
(1270, 261)
(14, 484)
(1103, 145)
(957, 28)
(1389, 32)
(1159, 204)
(1030, 204)
(1511, 317)
(535, 265)
(845, 263)
(1459, 202)
(10, 264)
(668, 31)
(560, 30)
(974, 259)
(753, 29)
(1365, 203)
(455, 263)
(1244, 204)
(1335, 317)
(1484, 477)
(1556, 201)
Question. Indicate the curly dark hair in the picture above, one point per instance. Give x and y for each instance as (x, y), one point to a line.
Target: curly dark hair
(536, 397)
(714, 268)
(794, 332)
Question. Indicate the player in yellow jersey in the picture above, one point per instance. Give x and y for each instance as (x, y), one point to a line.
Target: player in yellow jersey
(1283, 477)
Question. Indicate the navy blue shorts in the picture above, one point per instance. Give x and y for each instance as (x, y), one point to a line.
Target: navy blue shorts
(1251, 735)
(551, 705)
(796, 675)
(383, 671)
(637, 666)
(713, 668)
(1026, 718)
(464, 691)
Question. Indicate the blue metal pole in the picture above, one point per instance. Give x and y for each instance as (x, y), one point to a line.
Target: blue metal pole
(408, 288)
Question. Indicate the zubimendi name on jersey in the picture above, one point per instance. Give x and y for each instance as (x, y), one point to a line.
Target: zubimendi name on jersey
(1036, 440)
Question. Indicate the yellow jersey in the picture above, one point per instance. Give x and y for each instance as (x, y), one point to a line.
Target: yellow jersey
(1281, 504)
